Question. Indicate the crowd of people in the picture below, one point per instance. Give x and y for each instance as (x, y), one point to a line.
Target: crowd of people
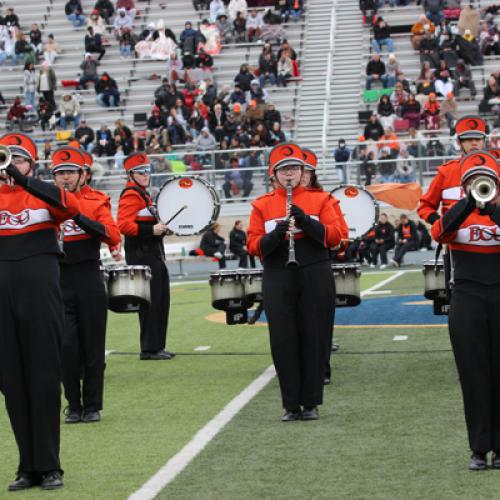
(450, 38)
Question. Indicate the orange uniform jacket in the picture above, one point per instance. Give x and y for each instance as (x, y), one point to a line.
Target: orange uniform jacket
(445, 189)
(28, 224)
(325, 231)
(83, 234)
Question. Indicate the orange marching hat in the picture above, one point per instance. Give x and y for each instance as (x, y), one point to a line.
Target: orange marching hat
(284, 155)
(478, 163)
(136, 160)
(310, 159)
(471, 127)
(20, 144)
(67, 158)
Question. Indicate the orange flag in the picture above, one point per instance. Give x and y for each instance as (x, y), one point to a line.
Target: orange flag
(405, 196)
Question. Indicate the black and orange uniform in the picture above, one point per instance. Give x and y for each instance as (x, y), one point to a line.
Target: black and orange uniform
(384, 233)
(473, 237)
(85, 299)
(407, 240)
(298, 301)
(136, 220)
(31, 309)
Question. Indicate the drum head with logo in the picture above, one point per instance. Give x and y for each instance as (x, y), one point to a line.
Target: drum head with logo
(201, 201)
(359, 207)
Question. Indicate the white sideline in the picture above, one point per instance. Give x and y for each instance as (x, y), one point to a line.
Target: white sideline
(179, 461)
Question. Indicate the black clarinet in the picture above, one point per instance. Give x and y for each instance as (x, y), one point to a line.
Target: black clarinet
(291, 262)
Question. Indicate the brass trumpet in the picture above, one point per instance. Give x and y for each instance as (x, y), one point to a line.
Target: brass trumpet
(483, 189)
(292, 262)
(5, 157)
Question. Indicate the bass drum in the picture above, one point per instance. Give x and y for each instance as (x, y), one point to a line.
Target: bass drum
(199, 197)
(359, 207)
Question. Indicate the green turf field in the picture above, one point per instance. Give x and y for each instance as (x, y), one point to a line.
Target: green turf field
(391, 427)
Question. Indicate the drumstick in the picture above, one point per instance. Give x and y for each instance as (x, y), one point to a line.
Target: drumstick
(176, 214)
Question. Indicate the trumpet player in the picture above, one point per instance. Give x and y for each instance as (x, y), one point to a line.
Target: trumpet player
(31, 311)
(291, 229)
(471, 229)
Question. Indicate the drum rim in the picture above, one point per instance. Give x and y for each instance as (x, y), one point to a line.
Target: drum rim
(375, 202)
(215, 196)
(122, 267)
(433, 263)
(343, 266)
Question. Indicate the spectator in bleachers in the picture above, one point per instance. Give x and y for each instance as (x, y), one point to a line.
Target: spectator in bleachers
(240, 28)
(156, 124)
(463, 79)
(47, 83)
(411, 111)
(375, 71)
(282, 7)
(373, 129)
(51, 49)
(216, 120)
(383, 242)
(216, 9)
(200, 4)
(188, 60)
(254, 25)
(105, 11)
(203, 60)
(24, 51)
(174, 67)
(236, 180)
(205, 141)
(85, 136)
(93, 43)
(489, 40)
(16, 115)
(271, 115)
(448, 50)
(407, 239)
(122, 20)
(432, 113)
(418, 30)
(267, 69)
(127, 43)
(104, 144)
(36, 39)
(69, 108)
(257, 93)
(443, 82)
(398, 98)
(244, 78)
(74, 12)
(341, 155)
(176, 131)
(449, 109)
(284, 69)
(296, 9)
(164, 99)
(209, 37)
(385, 111)
(386, 166)
(129, 7)
(238, 95)
(188, 97)
(429, 50)
(275, 135)
(29, 84)
(97, 23)
(45, 113)
(11, 19)
(8, 49)
(382, 36)
(225, 29)
(468, 49)
(390, 140)
(469, 20)
(491, 91)
(137, 142)
(236, 6)
(415, 145)
(405, 166)
(107, 91)
(89, 71)
(367, 167)
(368, 8)
(434, 10)
(213, 245)
(125, 134)
(189, 39)
(392, 70)
(229, 127)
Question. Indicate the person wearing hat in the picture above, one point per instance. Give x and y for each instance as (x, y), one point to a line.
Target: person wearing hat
(310, 180)
(471, 230)
(298, 300)
(144, 246)
(83, 289)
(31, 333)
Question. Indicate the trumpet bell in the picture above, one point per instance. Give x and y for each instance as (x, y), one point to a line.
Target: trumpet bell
(483, 189)
(5, 157)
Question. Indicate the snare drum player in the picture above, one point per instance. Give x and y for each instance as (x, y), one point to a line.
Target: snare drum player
(474, 317)
(85, 300)
(32, 314)
(144, 246)
(298, 301)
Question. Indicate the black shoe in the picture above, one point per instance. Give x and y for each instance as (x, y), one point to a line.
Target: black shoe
(91, 417)
(310, 414)
(72, 416)
(495, 460)
(154, 356)
(171, 354)
(52, 480)
(24, 481)
(478, 461)
(327, 381)
(291, 416)
(335, 347)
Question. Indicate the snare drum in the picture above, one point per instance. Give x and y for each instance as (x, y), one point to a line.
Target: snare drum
(347, 284)
(227, 290)
(129, 288)
(252, 284)
(201, 200)
(359, 207)
(435, 282)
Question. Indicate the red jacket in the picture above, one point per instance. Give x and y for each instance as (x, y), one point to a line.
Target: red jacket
(134, 218)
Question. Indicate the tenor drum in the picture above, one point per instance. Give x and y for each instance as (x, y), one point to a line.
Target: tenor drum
(129, 288)
(227, 290)
(347, 284)
(359, 207)
(435, 282)
(252, 284)
(199, 197)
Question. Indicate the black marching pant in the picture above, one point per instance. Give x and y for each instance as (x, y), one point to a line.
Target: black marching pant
(84, 337)
(154, 319)
(381, 249)
(244, 257)
(299, 308)
(328, 367)
(402, 248)
(474, 322)
(32, 315)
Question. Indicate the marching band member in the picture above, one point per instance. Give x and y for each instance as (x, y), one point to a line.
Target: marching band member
(474, 316)
(310, 180)
(299, 300)
(31, 308)
(83, 288)
(144, 246)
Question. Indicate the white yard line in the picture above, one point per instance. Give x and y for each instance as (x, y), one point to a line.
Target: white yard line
(202, 348)
(382, 283)
(178, 462)
(400, 337)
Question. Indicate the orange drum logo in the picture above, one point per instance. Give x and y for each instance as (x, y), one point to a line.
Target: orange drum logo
(185, 183)
(351, 192)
